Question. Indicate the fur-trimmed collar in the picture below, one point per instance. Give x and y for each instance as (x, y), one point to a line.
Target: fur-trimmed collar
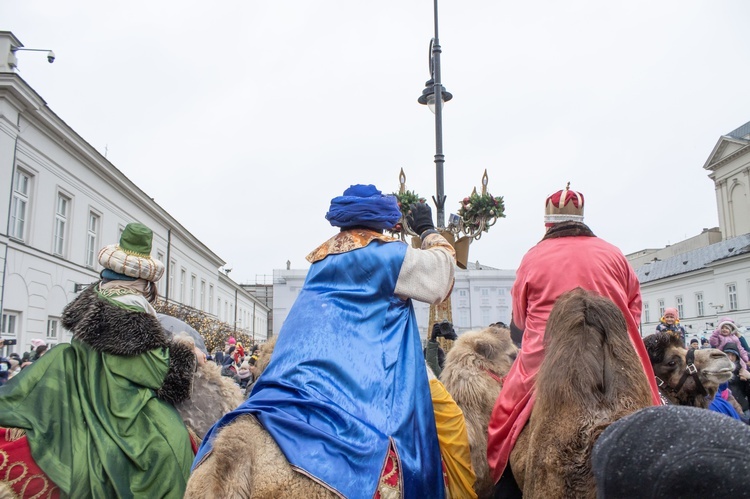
(110, 329)
(568, 229)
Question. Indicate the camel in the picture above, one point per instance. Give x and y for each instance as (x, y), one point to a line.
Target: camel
(589, 378)
(678, 381)
(473, 372)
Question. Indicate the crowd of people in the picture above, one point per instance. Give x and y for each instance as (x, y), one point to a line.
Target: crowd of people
(237, 364)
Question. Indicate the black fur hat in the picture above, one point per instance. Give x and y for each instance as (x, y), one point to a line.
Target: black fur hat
(673, 452)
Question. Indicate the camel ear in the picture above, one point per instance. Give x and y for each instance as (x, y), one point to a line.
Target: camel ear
(485, 350)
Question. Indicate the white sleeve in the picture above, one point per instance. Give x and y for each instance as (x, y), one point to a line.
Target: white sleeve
(427, 274)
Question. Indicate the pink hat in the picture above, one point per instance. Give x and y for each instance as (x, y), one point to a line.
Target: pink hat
(231, 340)
(671, 310)
(37, 342)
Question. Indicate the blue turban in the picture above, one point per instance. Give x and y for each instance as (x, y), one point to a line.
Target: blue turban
(364, 206)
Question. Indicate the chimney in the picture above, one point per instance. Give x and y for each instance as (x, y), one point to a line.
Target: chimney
(8, 61)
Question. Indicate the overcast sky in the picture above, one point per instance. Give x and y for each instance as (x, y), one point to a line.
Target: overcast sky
(244, 119)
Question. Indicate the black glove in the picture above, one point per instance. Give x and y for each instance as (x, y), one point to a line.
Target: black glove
(444, 329)
(419, 218)
(435, 331)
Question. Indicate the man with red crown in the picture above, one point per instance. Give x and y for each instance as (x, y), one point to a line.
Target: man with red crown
(569, 255)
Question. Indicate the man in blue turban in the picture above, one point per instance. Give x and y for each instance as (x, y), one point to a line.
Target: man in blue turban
(346, 395)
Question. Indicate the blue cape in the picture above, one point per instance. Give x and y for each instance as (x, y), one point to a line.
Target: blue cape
(347, 379)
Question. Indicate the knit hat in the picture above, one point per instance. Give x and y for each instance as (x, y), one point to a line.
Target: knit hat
(726, 321)
(731, 347)
(36, 342)
(132, 256)
(673, 311)
(364, 206)
(672, 451)
(232, 341)
(563, 206)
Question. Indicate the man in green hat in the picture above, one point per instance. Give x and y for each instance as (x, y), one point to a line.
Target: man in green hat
(98, 413)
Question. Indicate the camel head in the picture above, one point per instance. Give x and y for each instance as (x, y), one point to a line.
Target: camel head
(669, 361)
(487, 351)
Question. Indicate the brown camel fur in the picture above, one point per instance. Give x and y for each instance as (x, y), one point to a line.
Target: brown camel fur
(473, 369)
(590, 377)
(668, 358)
(246, 462)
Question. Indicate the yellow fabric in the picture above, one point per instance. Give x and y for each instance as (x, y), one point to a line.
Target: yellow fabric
(454, 442)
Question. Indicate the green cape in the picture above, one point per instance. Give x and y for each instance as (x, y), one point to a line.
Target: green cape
(95, 425)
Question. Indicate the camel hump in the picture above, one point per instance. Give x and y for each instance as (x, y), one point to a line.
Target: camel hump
(587, 347)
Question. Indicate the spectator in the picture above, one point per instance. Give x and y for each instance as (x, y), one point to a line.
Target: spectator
(670, 323)
(5, 370)
(568, 256)
(705, 344)
(694, 344)
(244, 375)
(725, 333)
(433, 353)
(722, 404)
(739, 384)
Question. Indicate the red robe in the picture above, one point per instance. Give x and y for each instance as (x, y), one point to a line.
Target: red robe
(549, 269)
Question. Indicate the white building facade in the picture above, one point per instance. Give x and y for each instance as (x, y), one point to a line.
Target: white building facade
(480, 297)
(61, 201)
(706, 277)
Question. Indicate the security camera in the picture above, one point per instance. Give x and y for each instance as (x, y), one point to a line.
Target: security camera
(50, 57)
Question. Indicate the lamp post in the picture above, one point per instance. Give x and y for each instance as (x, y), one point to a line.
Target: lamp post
(433, 96)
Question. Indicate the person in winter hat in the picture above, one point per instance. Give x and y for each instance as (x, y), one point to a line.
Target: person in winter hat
(672, 451)
(110, 391)
(740, 382)
(670, 323)
(727, 332)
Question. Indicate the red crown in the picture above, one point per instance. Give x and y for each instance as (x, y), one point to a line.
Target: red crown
(563, 206)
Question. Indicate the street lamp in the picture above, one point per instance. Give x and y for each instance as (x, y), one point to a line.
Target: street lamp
(433, 96)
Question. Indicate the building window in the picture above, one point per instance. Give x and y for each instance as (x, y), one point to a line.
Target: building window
(218, 308)
(19, 208)
(699, 304)
(485, 317)
(183, 274)
(463, 316)
(203, 294)
(9, 324)
(92, 239)
(661, 307)
(193, 280)
(646, 313)
(732, 296)
(210, 298)
(53, 323)
(680, 307)
(170, 291)
(61, 224)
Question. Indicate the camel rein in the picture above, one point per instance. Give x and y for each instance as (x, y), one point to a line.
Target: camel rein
(494, 375)
(690, 370)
